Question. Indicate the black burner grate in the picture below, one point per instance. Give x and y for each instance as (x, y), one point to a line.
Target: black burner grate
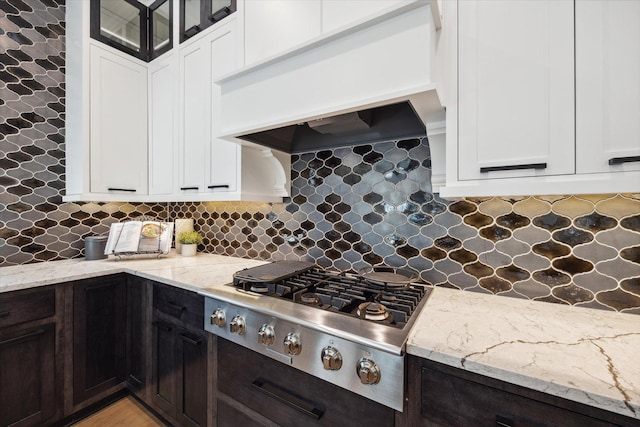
(341, 293)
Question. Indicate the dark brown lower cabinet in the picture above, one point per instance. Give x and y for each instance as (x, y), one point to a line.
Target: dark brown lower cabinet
(99, 336)
(28, 376)
(441, 396)
(179, 373)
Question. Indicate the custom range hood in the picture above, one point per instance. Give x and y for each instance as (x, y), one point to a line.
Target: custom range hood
(369, 83)
(395, 121)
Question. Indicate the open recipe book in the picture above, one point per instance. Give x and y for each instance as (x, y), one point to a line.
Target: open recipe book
(139, 237)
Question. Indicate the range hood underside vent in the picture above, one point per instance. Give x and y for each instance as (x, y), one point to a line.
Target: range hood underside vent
(396, 121)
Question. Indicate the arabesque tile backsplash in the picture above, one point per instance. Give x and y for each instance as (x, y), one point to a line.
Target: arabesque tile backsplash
(350, 207)
(372, 204)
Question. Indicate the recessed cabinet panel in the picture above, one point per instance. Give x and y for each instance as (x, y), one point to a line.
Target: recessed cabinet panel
(118, 124)
(162, 124)
(275, 26)
(608, 85)
(196, 84)
(516, 96)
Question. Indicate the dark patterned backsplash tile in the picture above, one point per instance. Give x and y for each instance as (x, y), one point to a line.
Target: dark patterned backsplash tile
(580, 250)
(35, 225)
(349, 208)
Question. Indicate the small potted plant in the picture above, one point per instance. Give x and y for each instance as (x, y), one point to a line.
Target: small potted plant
(189, 241)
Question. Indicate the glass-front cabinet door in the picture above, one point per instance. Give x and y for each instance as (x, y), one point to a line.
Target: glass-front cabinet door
(196, 15)
(139, 28)
(160, 33)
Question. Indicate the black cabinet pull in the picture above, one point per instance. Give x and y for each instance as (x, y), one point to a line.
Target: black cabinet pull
(129, 190)
(191, 340)
(288, 398)
(218, 186)
(621, 160)
(134, 379)
(175, 306)
(503, 421)
(162, 326)
(22, 337)
(222, 13)
(189, 188)
(5, 313)
(513, 167)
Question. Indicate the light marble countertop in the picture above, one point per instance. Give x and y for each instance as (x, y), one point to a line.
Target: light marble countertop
(192, 273)
(581, 354)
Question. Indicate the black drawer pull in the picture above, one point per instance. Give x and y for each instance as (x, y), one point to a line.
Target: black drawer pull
(134, 379)
(130, 190)
(191, 340)
(218, 186)
(175, 306)
(189, 188)
(621, 160)
(503, 421)
(5, 313)
(288, 398)
(23, 337)
(162, 326)
(513, 167)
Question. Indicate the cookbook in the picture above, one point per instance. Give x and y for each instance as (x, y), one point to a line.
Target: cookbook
(139, 237)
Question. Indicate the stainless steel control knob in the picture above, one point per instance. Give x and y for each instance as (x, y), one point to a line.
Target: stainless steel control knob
(292, 344)
(331, 359)
(266, 335)
(368, 371)
(237, 325)
(218, 318)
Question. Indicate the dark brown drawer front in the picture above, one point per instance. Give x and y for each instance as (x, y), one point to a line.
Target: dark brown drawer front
(289, 397)
(449, 400)
(24, 306)
(183, 305)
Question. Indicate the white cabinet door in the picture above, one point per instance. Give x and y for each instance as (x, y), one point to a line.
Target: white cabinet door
(341, 13)
(274, 26)
(516, 88)
(607, 85)
(224, 155)
(163, 78)
(118, 124)
(195, 112)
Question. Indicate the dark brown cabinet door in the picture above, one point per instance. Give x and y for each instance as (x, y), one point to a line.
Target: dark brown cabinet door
(163, 376)
(27, 376)
(136, 334)
(179, 374)
(99, 336)
(192, 378)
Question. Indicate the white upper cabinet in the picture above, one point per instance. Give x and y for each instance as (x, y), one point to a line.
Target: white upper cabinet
(516, 79)
(195, 116)
(163, 80)
(608, 85)
(515, 123)
(118, 123)
(274, 26)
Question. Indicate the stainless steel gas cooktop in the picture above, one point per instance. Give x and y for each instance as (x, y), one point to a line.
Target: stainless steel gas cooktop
(347, 328)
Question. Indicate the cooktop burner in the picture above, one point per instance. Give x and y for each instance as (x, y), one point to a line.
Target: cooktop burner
(384, 297)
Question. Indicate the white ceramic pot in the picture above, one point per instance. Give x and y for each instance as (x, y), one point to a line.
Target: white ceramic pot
(189, 250)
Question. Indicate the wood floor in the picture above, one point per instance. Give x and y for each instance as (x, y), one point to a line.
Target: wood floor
(125, 412)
